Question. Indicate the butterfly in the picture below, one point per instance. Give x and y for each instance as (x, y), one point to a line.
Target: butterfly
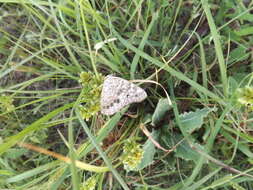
(118, 93)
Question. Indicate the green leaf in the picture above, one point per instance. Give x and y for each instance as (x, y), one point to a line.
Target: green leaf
(149, 152)
(5, 172)
(193, 120)
(233, 85)
(245, 31)
(161, 108)
(183, 150)
(15, 153)
(236, 186)
(247, 17)
(238, 54)
(222, 181)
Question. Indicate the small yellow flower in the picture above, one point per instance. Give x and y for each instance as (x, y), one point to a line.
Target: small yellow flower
(245, 96)
(132, 155)
(90, 183)
(6, 103)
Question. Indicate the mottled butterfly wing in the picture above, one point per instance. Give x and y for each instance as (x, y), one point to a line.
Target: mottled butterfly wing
(117, 93)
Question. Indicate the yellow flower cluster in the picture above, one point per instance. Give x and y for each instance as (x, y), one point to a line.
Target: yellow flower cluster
(245, 96)
(132, 155)
(92, 87)
(90, 183)
(6, 103)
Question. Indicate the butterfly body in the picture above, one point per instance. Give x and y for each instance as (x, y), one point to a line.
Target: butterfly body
(118, 93)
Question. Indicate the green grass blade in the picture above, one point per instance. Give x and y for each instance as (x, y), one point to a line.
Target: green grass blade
(217, 127)
(11, 141)
(32, 172)
(138, 7)
(102, 134)
(199, 183)
(87, 35)
(142, 44)
(169, 69)
(203, 62)
(218, 48)
(65, 41)
(100, 151)
(73, 156)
